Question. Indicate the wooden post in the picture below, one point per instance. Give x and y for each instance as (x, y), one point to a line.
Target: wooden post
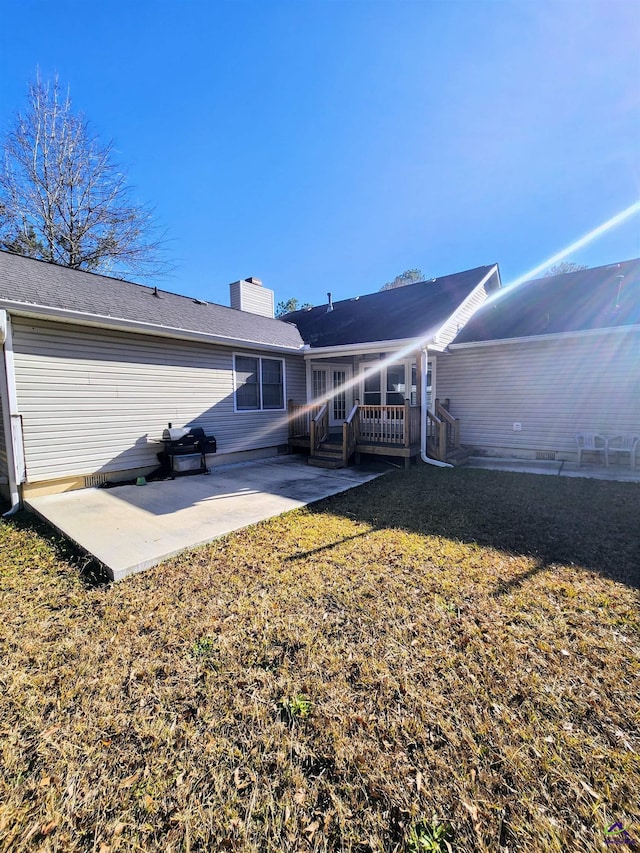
(407, 437)
(312, 437)
(419, 378)
(289, 417)
(442, 441)
(345, 443)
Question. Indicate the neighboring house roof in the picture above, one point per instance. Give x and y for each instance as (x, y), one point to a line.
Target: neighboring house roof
(597, 298)
(413, 311)
(36, 287)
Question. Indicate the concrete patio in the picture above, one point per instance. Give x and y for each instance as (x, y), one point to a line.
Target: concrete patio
(619, 473)
(131, 528)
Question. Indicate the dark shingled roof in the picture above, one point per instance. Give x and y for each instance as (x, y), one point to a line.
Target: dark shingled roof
(416, 310)
(598, 298)
(37, 283)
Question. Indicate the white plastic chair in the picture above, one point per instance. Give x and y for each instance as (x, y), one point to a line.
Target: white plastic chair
(592, 442)
(624, 443)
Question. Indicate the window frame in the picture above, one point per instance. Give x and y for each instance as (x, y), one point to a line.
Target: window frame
(259, 358)
(384, 391)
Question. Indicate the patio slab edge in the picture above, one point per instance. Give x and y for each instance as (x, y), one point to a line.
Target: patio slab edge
(128, 530)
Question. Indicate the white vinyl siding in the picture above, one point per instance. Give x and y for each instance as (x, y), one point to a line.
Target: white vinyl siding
(253, 298)
(552, 388)
(90, 399)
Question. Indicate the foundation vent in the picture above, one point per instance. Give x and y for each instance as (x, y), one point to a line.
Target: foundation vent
(546, 455)
(95, 480)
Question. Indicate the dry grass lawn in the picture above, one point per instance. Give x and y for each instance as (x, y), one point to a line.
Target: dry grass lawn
(434, 661)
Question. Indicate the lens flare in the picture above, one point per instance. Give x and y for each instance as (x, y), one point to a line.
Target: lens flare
(592, 235)
(418, 342)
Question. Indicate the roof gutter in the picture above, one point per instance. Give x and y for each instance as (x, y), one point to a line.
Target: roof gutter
(79, 318)
(12, 422)
(527, 339)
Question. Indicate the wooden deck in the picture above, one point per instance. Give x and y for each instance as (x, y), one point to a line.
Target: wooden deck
(375, 430)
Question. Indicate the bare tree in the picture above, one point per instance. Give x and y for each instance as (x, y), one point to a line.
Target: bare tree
(62, 197)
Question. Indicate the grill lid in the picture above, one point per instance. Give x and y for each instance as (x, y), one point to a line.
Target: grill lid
(174, 433)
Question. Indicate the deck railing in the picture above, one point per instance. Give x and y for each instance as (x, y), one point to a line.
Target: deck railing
(398, 426)
(298, 416)
(452, 424)
(436, 437)
(350, 433)
(391, 425)
(319, 428)
(414, 426)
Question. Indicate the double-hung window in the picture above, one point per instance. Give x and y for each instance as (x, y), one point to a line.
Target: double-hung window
(259, 383)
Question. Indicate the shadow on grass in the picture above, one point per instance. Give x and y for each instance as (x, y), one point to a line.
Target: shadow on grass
(91, 572)
(592, 524)
(303, 555)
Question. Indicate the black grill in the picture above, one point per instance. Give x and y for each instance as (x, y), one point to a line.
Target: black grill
(192, 442)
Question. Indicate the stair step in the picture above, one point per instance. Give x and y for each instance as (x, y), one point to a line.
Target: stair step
(325, 461)
(331, 449)
(459, 457)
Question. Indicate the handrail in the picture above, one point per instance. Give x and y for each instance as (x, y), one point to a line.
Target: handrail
(444, 414)
(319, 428)
(453, 424)
(436, 437)
(350, 433)
(353, 412)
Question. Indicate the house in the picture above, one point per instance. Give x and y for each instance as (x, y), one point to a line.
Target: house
(547, 359)
(369, 358)
(94, 368)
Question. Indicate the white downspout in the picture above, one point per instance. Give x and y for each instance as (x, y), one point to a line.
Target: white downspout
(10, 416)
(423, 416)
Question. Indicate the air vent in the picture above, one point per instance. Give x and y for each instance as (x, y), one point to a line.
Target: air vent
(546, 455)
(95, 480)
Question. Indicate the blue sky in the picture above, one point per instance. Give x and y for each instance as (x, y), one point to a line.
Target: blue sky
(332, 145)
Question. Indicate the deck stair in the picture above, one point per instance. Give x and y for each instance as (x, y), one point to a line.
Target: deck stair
(458, 456)
(328, 454)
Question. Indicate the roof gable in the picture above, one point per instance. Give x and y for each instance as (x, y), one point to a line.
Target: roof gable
(33, 284)
(413, 311)
(598, 298)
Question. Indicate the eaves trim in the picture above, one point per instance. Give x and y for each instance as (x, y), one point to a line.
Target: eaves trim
(311, 352)
(582, 333)
(80, 318)
(465, 302)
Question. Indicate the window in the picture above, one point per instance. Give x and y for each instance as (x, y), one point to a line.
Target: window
(259, 383)
(272, 384)
(395, 385)
(372, 396)
(388, 385)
